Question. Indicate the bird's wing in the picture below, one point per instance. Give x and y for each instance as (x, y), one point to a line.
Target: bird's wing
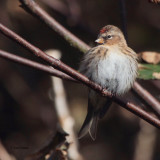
(92, 56)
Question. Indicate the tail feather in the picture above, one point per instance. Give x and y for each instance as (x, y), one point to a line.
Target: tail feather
(91, 122)
(87, 123)
(93, 127)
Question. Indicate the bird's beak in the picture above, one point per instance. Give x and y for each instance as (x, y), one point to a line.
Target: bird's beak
(99, 41)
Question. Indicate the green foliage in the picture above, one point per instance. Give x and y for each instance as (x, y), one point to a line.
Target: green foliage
(146, 71)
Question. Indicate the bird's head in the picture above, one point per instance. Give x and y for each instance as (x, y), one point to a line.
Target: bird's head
(110, 35)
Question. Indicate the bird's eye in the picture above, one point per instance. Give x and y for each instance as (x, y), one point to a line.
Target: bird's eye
(109, 37)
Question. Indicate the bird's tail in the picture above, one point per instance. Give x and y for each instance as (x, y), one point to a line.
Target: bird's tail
(88, 122)
(91, 122)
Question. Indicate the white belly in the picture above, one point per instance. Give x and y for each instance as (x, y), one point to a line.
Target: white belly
(117, 73)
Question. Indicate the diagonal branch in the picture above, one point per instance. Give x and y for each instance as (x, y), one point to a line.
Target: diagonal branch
(147, 96)
(48, 69)
(52, 61)
(57, 73)
(36, 10)
(68, 70)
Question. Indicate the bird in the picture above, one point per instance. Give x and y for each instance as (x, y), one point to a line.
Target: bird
(111, 64)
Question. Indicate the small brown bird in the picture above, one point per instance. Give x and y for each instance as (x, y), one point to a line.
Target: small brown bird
(111, 64)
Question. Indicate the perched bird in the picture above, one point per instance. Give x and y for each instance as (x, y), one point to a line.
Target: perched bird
(111, 64)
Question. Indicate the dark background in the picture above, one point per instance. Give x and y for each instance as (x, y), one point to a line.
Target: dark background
(27, 115)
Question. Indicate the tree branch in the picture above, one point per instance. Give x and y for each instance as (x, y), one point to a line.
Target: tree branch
(36, 10)
(68, 70)
(52, 61)
(147, 96)
(54, 72)
(47, 69)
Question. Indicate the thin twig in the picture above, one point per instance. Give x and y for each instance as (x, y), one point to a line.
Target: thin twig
(147, 96)
(48, 69)
(53, 24)
(41, 14)
(61, 66)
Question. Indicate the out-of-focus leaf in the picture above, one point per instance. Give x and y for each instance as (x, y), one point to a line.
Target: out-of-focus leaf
(147, 71)
(151, 57)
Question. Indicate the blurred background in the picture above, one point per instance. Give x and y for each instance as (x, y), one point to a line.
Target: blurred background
(27, 113)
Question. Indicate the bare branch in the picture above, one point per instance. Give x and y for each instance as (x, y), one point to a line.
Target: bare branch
(35, 9)
(52, 61)
(36, 65)
(54, 72)
(147, 96)
(63, 67)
